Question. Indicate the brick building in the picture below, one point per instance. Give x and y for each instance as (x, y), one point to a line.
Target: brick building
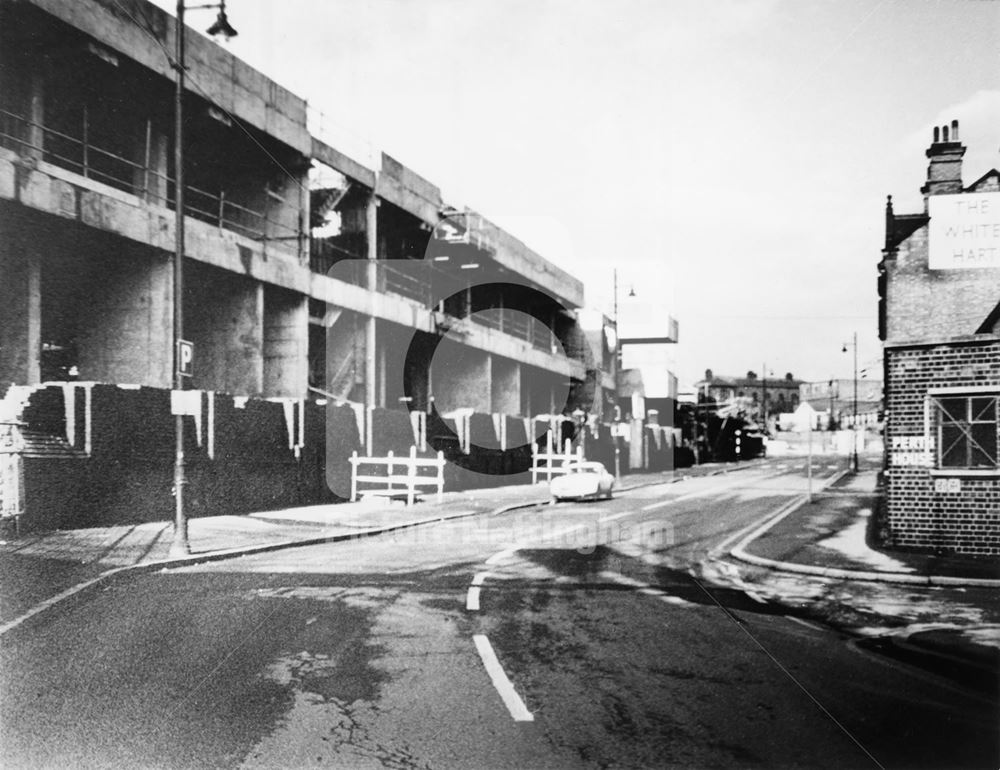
(939, 319)
(778, 394)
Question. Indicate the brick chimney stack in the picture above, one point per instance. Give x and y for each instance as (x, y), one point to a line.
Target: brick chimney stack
(944, 174)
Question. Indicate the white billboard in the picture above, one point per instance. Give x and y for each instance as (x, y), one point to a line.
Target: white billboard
(964, 231)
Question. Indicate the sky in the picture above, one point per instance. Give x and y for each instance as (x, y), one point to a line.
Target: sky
(730, 159)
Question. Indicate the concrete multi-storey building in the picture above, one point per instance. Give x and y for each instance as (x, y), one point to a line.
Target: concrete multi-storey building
(87, 190)
(939, 319)
(309, 277)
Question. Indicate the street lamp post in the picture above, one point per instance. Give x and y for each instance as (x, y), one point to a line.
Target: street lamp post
(618, 359)
(854, 424)
(618, 366)
(763, 396)
(180, 545)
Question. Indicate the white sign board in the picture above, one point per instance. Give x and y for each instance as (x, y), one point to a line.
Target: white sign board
(964, 231)
(185, 358)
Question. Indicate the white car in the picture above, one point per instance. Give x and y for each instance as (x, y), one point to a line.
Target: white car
(581, 481)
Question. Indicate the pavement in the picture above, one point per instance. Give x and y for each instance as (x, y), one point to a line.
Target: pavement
(38, 570)
(817, 557)
(813, 556)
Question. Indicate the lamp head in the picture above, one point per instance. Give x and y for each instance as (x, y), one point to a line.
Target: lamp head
(222, 26)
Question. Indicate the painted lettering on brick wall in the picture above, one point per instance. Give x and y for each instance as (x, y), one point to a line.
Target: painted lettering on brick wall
(911, 451)
(964, 231)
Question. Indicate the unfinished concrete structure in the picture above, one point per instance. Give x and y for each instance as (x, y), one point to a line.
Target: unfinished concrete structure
(308, 276)
(86, 189)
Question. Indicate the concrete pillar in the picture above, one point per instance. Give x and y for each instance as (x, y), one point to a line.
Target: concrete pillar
(224, 318)
(382, 375)
(636, 453)
(36, 116)
(371, 372)
(286, 343)
(156, 172)
(20, 311)
(126, 332)
(461, 377)
(345, 358)
(505, 388)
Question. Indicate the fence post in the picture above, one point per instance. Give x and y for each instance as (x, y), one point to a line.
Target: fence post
(440, 474)
(11, 474)
(389, 475)
(354, 475)
(411, 473)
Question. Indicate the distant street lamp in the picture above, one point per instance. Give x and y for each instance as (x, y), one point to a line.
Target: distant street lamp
(854, 424)
(180, 546)
(763, 396)
(618, 366)
(580, 418)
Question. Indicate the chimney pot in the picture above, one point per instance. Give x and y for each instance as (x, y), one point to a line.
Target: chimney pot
(937, 134)
(944, 134)
(954, 130)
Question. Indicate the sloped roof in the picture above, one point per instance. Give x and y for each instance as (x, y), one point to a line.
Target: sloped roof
(991, 324)
(988, 181)
(903, 226)
(744, 382)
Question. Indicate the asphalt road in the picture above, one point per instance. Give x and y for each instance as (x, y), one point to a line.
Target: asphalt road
(562, 636)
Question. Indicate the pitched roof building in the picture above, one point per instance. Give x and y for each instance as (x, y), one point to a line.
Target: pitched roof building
(939, 307)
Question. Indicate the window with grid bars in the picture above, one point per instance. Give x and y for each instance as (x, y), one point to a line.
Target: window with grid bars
(967, 431)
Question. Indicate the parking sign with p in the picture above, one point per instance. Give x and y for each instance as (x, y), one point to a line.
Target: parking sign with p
(185, 358)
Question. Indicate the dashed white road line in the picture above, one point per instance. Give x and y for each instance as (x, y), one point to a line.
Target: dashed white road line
(806, 623)
(644, 588)
(472, 599)
(501, 555)
(480, 578)
(500, 681)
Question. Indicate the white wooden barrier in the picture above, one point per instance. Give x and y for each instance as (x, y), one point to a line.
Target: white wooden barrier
(395, 484)
(555, 463)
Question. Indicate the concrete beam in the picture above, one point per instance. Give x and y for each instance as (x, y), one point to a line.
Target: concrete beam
(335, 159)
(56, 191)
(514, 255)
(226, 80)
(394, 191)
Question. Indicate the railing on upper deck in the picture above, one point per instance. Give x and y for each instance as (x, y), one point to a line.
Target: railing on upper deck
(80, 155)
